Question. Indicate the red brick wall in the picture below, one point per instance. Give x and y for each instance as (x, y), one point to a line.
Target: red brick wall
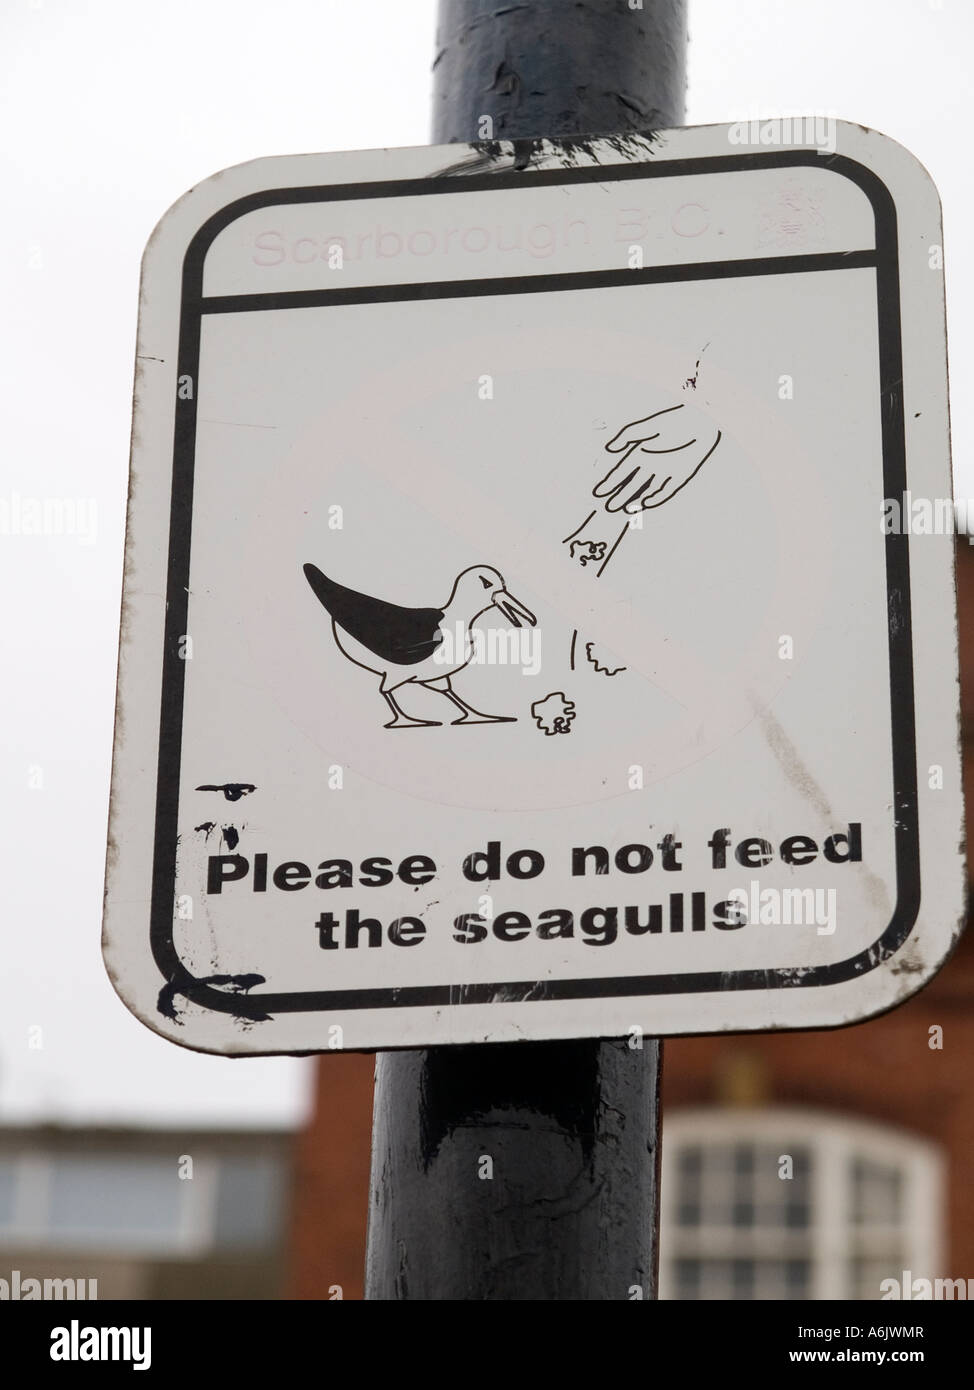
(331, 1182)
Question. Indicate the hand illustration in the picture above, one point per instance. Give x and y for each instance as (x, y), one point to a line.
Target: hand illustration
(658, 456)
(655, 458)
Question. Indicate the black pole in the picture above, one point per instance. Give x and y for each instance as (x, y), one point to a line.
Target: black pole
(558, 67)
(529, 1170)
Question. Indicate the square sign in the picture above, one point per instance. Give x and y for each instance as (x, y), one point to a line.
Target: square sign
(539, 608)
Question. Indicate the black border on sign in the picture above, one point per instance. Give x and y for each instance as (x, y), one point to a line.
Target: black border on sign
(256, 1006)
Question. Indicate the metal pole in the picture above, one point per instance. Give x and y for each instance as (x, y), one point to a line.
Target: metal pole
(550, 67)
(529, 1171)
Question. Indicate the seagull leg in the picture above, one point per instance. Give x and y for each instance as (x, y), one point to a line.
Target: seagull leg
(468, 715)
(401, 720)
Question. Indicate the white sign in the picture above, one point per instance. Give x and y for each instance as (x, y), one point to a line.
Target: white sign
(539, 609)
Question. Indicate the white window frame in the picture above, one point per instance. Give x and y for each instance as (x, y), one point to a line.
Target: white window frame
(835, 1141)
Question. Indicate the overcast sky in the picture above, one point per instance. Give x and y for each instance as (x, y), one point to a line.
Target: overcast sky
(110, 110)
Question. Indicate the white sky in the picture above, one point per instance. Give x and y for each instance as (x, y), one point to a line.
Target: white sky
(110, 110)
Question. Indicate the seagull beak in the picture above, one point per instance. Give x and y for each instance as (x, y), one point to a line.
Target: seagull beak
(513, 609)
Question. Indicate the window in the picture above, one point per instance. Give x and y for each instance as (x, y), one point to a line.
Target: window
(789, 1204)
(137, 1201)
(8, 1191)
(112, 1197)
(250, 1203)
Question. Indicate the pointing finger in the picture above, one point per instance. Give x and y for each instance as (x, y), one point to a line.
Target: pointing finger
(618, 477)
(640, 499)
(672, 486)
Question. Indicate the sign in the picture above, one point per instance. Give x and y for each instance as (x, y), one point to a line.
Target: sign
(539, 609)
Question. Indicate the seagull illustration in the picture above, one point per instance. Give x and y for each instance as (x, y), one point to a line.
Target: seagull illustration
(401, 644)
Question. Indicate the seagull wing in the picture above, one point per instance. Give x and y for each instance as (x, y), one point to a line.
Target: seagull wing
(401, 636)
